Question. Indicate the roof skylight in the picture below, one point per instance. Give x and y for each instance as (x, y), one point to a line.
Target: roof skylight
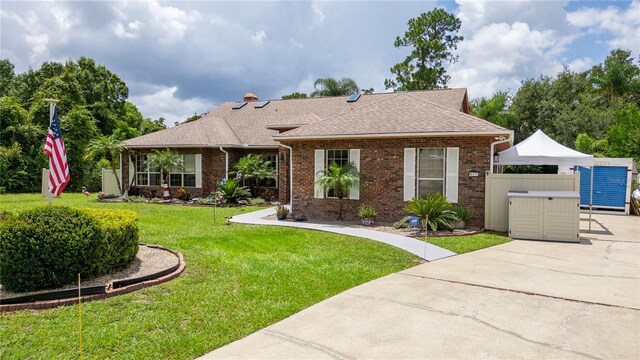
(261, 104)
(354, 97)
(239, 105)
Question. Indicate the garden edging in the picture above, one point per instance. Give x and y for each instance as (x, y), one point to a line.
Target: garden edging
(47, 304)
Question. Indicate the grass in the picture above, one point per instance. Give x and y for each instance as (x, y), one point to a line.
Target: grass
(239, 279)
(464, 244)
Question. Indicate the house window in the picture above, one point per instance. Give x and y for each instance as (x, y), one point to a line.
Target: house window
(146, 176)
(431, 174)
(341, 158)
(187, 177)
(274, 163)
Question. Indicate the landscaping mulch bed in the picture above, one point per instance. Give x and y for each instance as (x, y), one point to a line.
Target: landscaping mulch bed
(388, 228)
(148, 261)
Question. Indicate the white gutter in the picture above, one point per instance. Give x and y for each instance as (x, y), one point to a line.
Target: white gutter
(390, 135)
(203, 146)
(290, 176)
(226, 163)
(493, 147)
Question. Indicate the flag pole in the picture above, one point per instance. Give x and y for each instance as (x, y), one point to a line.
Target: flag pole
(52, 107)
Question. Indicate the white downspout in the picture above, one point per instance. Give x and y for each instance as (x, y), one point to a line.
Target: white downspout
(290, 176)
(493, 149)
(226, 163)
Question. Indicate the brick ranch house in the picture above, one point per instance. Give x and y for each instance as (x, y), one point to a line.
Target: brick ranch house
(404, 144)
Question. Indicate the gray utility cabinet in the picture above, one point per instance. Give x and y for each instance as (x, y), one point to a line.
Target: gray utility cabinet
(544, 215)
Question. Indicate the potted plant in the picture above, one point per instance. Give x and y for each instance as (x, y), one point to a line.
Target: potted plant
(281, 212)
(367, 214)
(462, 214)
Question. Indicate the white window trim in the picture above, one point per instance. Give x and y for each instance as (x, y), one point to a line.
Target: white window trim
(182, 174)
(326, 165)
(147, 172)
(444, 170)
(276, 172)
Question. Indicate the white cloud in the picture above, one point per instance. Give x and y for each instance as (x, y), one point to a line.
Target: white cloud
(63, 18)
(39, 47)
(163, 102)
(172, 23)
(317, 12)
(259, 37)
(582, 64)
(623, 25)
(498, 56)
(296, 44)
(476, 14)
(130, 32)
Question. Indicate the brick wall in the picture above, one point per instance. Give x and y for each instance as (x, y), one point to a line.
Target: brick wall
(213, 167)
(382, 167)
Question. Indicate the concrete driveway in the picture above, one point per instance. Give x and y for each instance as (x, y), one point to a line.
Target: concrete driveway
(523, 299)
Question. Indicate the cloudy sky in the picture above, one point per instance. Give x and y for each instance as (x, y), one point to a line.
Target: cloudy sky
(184, 57)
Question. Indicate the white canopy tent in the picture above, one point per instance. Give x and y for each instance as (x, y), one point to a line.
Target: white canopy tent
(539, 149)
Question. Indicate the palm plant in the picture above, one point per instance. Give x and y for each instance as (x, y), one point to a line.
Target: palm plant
(231, 191)
(109, 148)
(436, 207)
(333, 87)
(339, 179)
(255, 169)
(166, 161)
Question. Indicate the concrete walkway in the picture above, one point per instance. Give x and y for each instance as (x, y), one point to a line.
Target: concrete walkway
(422, 249)
(519, 300)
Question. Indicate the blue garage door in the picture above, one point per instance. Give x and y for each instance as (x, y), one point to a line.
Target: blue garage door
(609, 186)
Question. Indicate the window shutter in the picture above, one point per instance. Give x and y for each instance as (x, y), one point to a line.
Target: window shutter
(409, 173)
(354, 158)
(132, 169)
(318, 192)
(451, 187)
(198, 170)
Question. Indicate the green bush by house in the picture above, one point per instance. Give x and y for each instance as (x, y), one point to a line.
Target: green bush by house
(48, 246)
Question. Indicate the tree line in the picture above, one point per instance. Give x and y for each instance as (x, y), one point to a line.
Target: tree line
(92, 105)
(594, 111)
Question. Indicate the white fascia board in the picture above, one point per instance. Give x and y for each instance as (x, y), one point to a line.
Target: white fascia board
(392, 135)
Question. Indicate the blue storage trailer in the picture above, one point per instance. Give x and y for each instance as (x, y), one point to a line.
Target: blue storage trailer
(611, 184)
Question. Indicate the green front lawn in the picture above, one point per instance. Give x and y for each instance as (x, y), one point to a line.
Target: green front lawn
(464, 244)
(238, 279)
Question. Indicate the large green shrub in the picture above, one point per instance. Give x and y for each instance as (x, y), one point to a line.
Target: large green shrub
(47, 247)
(120, 234)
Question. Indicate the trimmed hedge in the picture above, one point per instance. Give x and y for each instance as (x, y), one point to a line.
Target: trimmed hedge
(47, 247)
(121, 233)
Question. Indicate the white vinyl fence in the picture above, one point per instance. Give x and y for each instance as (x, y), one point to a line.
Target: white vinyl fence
(109, 182)
(45, 183)
(496, 206)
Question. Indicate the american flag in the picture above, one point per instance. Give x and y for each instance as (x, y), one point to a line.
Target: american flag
(54, 148)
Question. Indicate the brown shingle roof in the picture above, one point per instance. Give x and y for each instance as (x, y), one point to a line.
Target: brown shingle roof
(400, 114)
(206, 131)
(249, 125)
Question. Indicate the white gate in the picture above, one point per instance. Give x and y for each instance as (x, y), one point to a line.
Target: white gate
(109, 182)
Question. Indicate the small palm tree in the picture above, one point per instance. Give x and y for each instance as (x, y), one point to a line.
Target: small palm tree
(339, 179)
(333, 87)
(254, 169)
(166, 161)
(231, 191)
(109, 148)
(437, 207)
